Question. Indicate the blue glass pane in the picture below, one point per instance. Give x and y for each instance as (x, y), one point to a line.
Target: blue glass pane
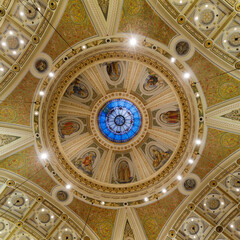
(119, 120)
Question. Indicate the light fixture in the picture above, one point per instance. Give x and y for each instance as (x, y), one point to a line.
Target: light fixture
(44, 156)
(133, 41)
(102, 203)
(21, 13)
(4, 44)
(164, 190)
(11, 32)
(237, 189)
(206, 5)
(173, 59)
(43, 209)
(197, 94)
(51, 74)
(36, 113)
(26, 199)
(1, 69)
(41, 93)
(196, 18)
(222, 203)
(232, 226)
(22, 41)
(179, 177)
(224, 40)
(68, 186)
(146, 199)
(190, 161)
(14, 52)
(84, 47)
(198, 141)
(186, 75)
(52, 216)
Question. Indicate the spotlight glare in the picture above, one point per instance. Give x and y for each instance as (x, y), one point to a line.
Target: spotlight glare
(232, 226)
(196, 18)
(186, 75)
(146, 199)
(41, 93)
(21, 13)
(133, 41)
(237, 189)
(173, 59)
(206, 5)
(52, 216)
(43, 210)
(68, 186)
(51, 74)
(84, 47)
(1, 69)
(22, 41)
(11, 32)
(14, 52)
(224, 40)
(164, 190)
(4, 44)
(197, 95)
(36, 113)
(44, 156)
(198, 141)
(190, 161)
(179, 177)
(102, 203)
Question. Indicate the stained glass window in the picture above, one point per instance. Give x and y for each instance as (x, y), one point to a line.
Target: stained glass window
(119, 120)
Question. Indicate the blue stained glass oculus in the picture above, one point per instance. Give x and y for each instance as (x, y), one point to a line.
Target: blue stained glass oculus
(119, 120)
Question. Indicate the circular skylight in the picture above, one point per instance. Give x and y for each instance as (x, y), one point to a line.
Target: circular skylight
(119, 120)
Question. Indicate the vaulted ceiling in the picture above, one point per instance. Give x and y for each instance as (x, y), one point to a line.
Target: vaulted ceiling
(119, 119)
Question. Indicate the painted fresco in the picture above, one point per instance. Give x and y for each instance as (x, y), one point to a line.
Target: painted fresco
(170, 117)
(113, 70)
(124, 173)
(67, 128)
(78, 89)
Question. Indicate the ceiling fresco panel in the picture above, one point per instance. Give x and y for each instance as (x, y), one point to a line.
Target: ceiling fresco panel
(100, 220)
(139, 18)
(216, 89)
(219, 145)
(25, 163)
(16, 108)
(74, 26)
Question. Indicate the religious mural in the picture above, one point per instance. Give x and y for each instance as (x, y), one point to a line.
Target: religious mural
(113, 70)
(77, 88)
(153, 82)
(128, 232)
(41, 65)
(85, 162)
(104, 5)
(170, 117)
(159, 156)
(67, 128)
(124, 173)
(182, 48)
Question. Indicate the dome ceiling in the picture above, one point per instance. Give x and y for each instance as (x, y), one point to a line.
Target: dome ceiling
(105, 140)
(120, 121)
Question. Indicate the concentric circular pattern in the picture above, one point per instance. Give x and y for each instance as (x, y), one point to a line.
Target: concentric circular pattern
(119, 120)
(111, 150)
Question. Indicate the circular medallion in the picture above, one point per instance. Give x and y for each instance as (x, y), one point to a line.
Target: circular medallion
(182, 48)
(119, 120)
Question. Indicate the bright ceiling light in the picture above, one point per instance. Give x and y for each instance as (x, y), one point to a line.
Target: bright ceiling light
(164, 190)
(22, 41)
(21, 13)
(102, 203)
(84, 47)
(206, 5)
(14, 52)
(146, 199)
(179, 177)
(133, 41)
(36, 113)
(196, 18)
(44, 156)
(4, 44)
(198, 141)
(1, 69)
(41, 93)
(43, 209)
(190, 161)
(11, 32)
(68, 186)
(51, 74)
(197, 94)
(232, 226)
(173, 59)
(186, 75)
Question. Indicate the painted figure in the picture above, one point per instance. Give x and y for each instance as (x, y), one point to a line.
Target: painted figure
(68, 128)
(41, 65)
(159, 157)
(170, 117)
(78, 89)
(124, 175)
(113, 70)
(152, 82)
(86, 162)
